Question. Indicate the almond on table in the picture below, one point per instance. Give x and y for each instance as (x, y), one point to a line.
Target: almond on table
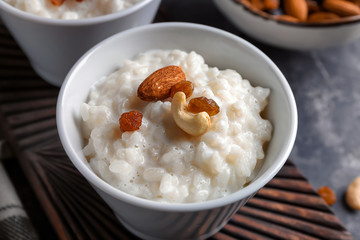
(352, 195)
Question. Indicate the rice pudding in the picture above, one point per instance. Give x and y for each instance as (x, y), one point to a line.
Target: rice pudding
(161, 162)
(72, 9)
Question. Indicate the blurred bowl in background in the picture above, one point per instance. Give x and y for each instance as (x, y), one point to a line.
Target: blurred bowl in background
(54, 45)
(290, 35)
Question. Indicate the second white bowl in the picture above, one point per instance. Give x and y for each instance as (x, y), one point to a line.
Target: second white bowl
(54, 45)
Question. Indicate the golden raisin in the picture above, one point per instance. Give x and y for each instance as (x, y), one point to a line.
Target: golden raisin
(185, 86)
(203, 104)
(327, 194)
(130, 121)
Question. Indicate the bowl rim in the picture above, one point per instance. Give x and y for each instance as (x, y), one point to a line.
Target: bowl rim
(71, 22)
(267, 17)
(177, 207)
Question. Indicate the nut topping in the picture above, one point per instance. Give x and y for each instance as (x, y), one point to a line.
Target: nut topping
(171, 82)
(157, 86)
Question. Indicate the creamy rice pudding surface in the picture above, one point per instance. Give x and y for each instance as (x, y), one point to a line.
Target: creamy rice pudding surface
(160, 161)
(72, 9)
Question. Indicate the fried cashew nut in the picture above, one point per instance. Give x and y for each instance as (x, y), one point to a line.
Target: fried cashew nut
(194, 124)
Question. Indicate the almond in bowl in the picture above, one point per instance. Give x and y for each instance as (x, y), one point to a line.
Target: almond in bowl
(295, 24)
(305, 11)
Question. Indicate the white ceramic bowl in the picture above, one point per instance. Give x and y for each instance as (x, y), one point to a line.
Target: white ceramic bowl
(298, 36)
(54, 45)
(154, 220)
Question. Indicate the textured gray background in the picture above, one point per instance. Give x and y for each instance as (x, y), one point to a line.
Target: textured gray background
(326, 85)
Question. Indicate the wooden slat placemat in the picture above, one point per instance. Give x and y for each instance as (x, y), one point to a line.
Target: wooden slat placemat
(286, 208)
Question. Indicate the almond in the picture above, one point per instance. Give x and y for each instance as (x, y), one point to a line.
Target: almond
(257, 4)
(157, 86)
(296, 8)
(286, 18)
(341, 7)
(271, 4)
(313, 6)
(322, 16)
(246, 3)
(357, 2)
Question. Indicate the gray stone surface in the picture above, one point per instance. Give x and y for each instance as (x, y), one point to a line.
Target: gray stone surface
(326, 85)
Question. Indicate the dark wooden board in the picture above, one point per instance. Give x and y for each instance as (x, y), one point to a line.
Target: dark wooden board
(286, 208)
